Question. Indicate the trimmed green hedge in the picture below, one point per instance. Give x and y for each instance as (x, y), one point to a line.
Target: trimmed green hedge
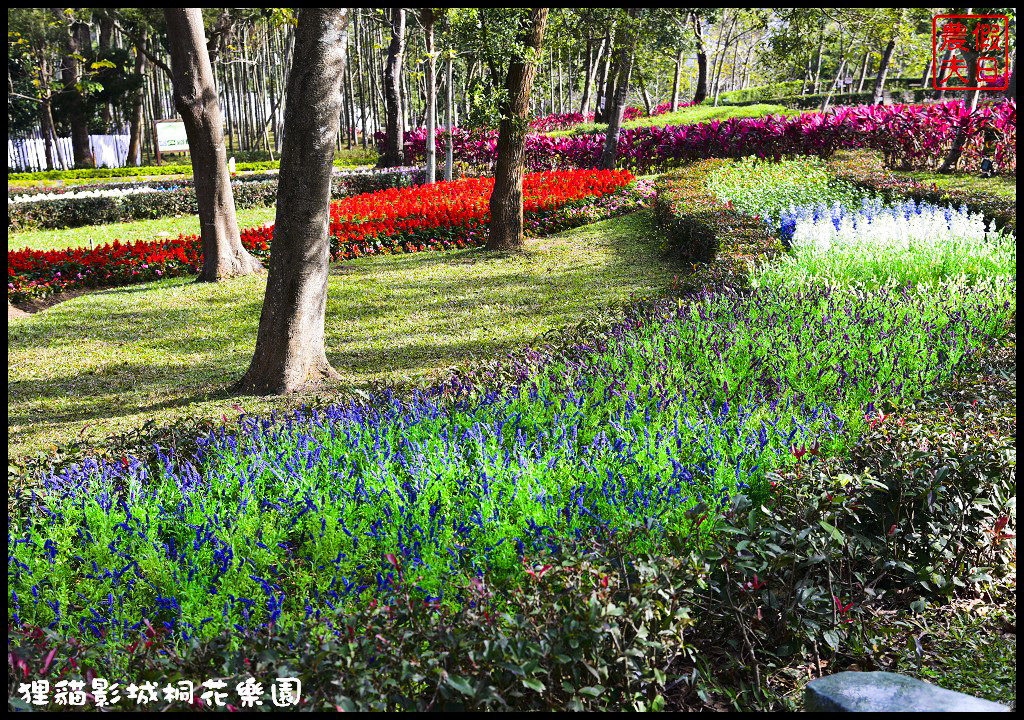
(811, 102)
(700, 228)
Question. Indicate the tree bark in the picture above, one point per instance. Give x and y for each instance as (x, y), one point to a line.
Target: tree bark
(625, 41)
(290, 349)
(592, 65)
(702, 63)
(675, 81)
(600, 107)
(449, 148)
(393, 132)
(863, 73)
(506, 225)
(883, 70)
(195, 98)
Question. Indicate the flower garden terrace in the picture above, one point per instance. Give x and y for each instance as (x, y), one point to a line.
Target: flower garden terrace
(435, 216)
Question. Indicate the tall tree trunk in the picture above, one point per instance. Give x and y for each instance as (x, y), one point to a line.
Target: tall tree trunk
(883, 70)
(506, 225)
(592, 70)
(863, 72)
(135, 133)
(721, 59)
(449, 104)
(359, 75)
(290, 347)
(646, 96)
(195, 97)
(675, 80)
(625, 47)
(702, 63)
(926, 73)
(427, 19)
(393, 135)
(44, 127)
(940, 90)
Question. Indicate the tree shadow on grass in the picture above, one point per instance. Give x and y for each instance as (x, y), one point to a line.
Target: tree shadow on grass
(391, 317)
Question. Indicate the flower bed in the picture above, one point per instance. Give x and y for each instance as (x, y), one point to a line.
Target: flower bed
(906, 134)
(76, 206)
(441, 215)
(842, 235)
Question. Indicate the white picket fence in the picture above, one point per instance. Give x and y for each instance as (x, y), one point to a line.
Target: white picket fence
(29, 154)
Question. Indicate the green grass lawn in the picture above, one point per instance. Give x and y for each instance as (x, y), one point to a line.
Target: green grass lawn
(108, 361)
(686, 116)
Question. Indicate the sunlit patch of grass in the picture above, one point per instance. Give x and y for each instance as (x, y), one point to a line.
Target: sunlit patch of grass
(687, 116)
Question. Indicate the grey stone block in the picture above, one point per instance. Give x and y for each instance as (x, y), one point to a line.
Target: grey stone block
(887, 692)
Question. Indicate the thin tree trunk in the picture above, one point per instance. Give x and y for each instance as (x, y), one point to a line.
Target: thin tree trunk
(600, 109)
(195, 97)
(926, 73)
(591, 70)
(393, 131)
(359, 74)
(644, 94)
(449, 149)
(290, 349)
(863, 73)
(506, 205)
(721, 60)
(427, 19)
(702, 62)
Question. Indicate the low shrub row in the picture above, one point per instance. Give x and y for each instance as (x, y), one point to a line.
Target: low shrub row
(179, 198)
